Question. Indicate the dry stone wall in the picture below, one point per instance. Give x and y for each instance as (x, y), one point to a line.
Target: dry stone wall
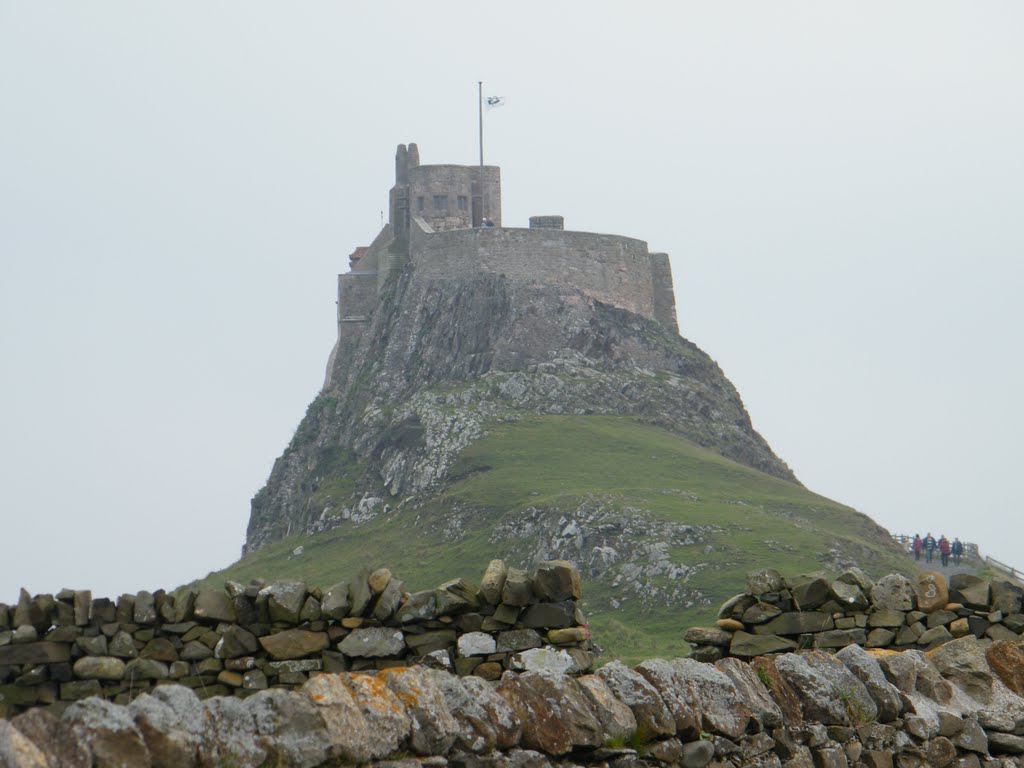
(959, 706)
(777, 615)
(56, 649)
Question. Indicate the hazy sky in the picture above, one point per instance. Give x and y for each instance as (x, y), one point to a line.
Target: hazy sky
(840, 187)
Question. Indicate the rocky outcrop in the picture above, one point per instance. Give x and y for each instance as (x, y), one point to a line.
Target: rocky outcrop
(245, 639)
(777, 614)
(440, 359)
(857, 709)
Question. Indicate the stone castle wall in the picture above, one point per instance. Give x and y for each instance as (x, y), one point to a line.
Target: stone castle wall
(56, 649)
(613, 269)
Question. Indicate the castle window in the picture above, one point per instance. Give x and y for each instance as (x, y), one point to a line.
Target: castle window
(419, 204)
(441, 203)
(463, 203)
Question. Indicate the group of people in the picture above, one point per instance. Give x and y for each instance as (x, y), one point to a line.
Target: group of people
(945, 547)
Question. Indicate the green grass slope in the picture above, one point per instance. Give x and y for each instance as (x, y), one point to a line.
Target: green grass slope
(526, 478)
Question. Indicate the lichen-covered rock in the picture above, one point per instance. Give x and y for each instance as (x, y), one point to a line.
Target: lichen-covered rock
(108, 732)
(722, 709)
(752, 692)
(171, 733)
(542, 728)
(746, 645)
(1006, 659)
(474, 731)
(633, 690)
(508, 728)
(616, 718)
(434, 729)
(213, 605)
(850, 596)
(476, 644)
(229, 735)
(493, 582)
(347, 731)
(570, 704)
(557, 580)
(859, 704)
(893, 592)
(373, 641)
(16, 751)
(544, 660)
(819, 699)
(764, 580)
(962, 662)
(290, 727)
(53, 738)
(335, 604)
(388, 723)
(677, 693)
(867, 669)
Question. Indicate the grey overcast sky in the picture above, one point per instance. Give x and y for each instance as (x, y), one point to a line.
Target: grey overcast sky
(840, 187)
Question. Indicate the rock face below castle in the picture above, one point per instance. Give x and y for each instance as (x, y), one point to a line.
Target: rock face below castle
(443, 332)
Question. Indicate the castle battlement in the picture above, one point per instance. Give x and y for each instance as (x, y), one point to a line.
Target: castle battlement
(446, 225)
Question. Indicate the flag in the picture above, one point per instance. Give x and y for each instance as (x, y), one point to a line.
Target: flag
(494, 101)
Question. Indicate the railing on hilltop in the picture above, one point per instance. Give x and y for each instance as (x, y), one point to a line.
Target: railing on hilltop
(1013, 573)
(970, 549)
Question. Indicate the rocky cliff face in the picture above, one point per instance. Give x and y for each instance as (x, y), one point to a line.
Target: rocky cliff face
(439, 360)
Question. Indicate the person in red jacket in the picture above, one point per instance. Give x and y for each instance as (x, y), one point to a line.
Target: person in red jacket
(944, 550)
(917, 546)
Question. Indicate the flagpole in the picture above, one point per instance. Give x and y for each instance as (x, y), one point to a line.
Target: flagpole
(480, 107)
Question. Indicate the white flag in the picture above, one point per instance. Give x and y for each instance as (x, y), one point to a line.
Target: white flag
(494, 101)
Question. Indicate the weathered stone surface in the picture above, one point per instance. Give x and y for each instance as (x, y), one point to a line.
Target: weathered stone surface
(1005, 744)
(1006, 597)
(764, 580)
(643, 699)
(734, 607)
(542, 729)
(867, 669)
(856, 576)
(795, 623)
(1006, 659)
(379, 580)
(503, 718)
(347, 731)
(92, 646)
(746, 645)
(493, 582)
(721, 707)
(568, 635)
(53, 738)
(145, 669)
(854, 695)
(975, 596)
(934, 636)
(476, 644)
(294, 643)
(809, 592)
(373, 641)
(213, 605)
(335, 604)
(16, 751)
(570, 704)
(880, 637)
(849, 596)
(434, 729)
(34, 653)
(474, 731)
(616, 718)
(389, 600)
(677, 693)
(457, 596)
(419, 606)
(696, 754)
(557, 580)
(708, 636)
(931, 591)
(99, 668)
(290, 726)
(752, 692)
(359, 593)
(160, 649)
(518, 640)
(840, 638)
(285, 600)
(550, 615)
(388, 723)
(518, 588)
(171, 734)
(108, 732)
(228, 734)
(963, 663)
(819, 699)
(760, 612)
(236, 642)
(544, 660)
(893, 592)
(887, 618)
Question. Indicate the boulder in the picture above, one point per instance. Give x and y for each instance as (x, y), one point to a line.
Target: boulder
(379, 580)
(752, 692)
(857, 577)
(294, 643)
(508, 728)
(285, 600)
(643, 699)
(347, 731)
(99, 668)
(368, 642)
(553, 660)
(290, 727)
(931, 591)
(53, 738)
(145, 669)
(1006, 659)
(359, 593)
(887, 618)
(1006, 597)
(16, 751)
(518, 588)
(549, 615)
(434, 730)
(108, 732)
(975, 596)
(617, 720)
(963, 663)
(542, 729)
(335, 604)
(810, 591)
(171, 733)
(719, 702)
(860, 705)
(893, 592)
(213, 605)
(389, 600)
(557, 580)
(476, 644)
(708, 636)
(849, 596)
(474, 732)
(420, 606)
(820, 701)
(493, 582)
(678, 695)
(388, 724)
(796, 623)
(229, 734)
(840, 638)
(570, 704)
(236, 642)
(764, 580)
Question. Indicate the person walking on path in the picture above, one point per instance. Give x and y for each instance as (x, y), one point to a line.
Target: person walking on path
(957, 550)
(917, 546)
(944, 550)
(929, 547)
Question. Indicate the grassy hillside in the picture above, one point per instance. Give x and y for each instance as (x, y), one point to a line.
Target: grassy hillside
(527, 482)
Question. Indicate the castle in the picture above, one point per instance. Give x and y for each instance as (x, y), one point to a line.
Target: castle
(445, 223)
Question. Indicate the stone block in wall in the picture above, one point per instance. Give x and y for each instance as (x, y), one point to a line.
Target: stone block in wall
(893, 592)
(795, 623)
(931, 592)
(492, 584)
(557, 580)
(366, 642)
(809, 592)
(34, 653)
(1006, 597)
(550, 615)
(760, 612)
(839, 638)
(213, 605)
(746, 645)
